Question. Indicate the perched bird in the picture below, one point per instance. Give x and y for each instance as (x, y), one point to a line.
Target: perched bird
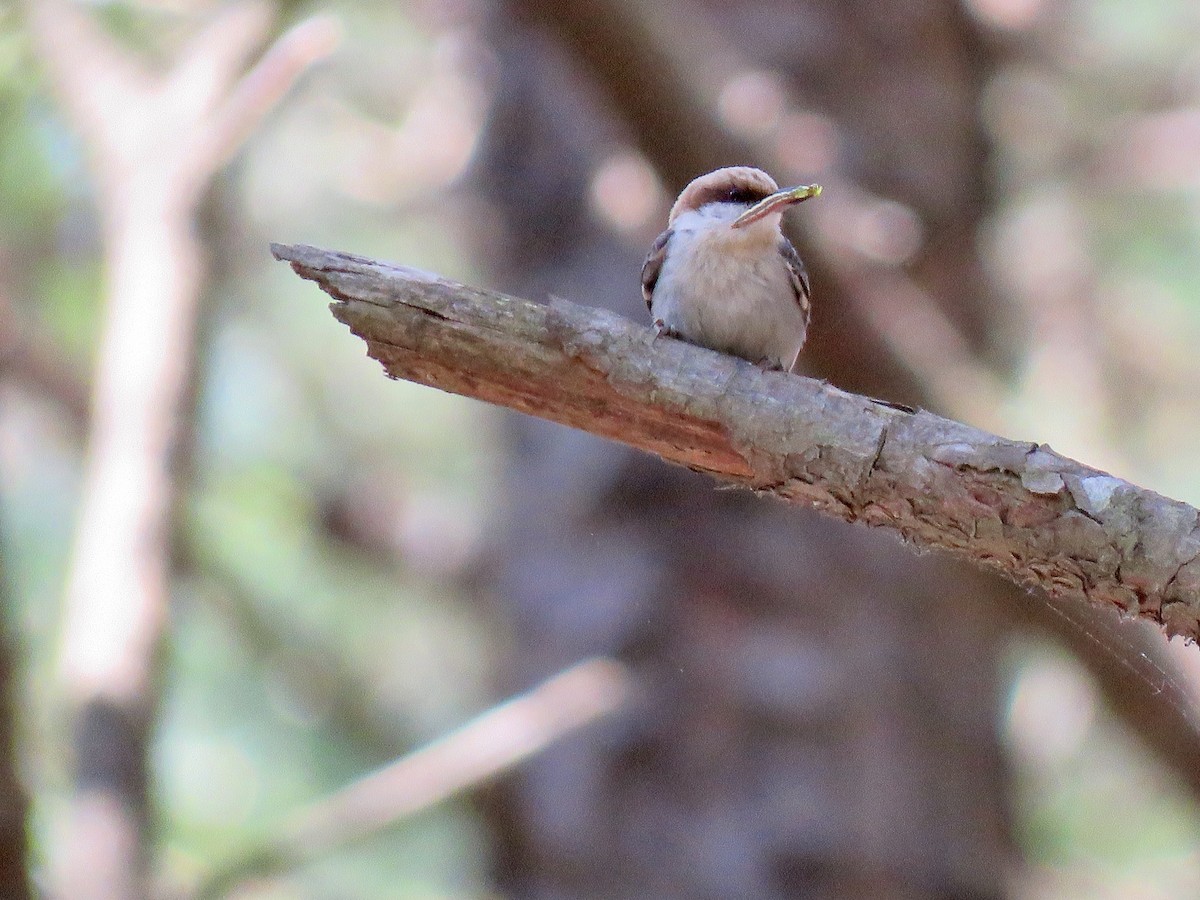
(723, 275)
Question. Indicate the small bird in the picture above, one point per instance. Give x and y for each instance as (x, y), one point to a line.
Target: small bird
(723, 275)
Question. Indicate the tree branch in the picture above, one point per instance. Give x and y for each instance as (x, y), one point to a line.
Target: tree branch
(148, 136)
(491, 743)
(1014, 507)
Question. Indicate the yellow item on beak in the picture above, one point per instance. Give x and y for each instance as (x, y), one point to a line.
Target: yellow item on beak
(776, 202)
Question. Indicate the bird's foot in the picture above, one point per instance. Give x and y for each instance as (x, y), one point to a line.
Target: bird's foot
(662, 330)
(769, 365)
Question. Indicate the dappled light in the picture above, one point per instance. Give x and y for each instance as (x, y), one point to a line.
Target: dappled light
(275, 625)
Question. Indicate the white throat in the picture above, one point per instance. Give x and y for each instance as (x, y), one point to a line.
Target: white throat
(711, 225)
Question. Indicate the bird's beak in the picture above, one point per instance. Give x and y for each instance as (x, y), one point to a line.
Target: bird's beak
(777, 202)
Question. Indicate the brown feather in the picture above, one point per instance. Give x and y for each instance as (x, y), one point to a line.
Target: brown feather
(652, 267)
(800, 282)
(751, 183)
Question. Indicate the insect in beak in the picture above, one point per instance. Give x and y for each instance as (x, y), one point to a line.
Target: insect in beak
(777, 202)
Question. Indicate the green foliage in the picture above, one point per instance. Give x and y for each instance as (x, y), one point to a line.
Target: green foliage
(320, 623)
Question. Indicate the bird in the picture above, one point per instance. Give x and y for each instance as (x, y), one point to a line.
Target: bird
(723, 275)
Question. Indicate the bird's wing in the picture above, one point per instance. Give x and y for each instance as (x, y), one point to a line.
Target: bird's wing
(800, 283)
(653, 265)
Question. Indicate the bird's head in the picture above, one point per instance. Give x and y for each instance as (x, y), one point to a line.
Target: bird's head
(746, 195)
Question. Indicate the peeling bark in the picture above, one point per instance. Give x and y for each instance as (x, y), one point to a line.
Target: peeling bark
(1014, 507)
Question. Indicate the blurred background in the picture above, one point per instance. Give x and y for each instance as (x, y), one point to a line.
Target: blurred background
(240, 569)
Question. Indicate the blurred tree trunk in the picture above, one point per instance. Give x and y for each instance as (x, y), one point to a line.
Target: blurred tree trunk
(14, 878)
(800, 735)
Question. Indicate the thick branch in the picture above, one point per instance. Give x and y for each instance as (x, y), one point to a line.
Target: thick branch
(1015, 507)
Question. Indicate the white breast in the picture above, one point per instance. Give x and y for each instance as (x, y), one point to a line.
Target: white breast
(729, 289)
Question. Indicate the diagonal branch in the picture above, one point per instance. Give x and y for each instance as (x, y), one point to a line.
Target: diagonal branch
(94, 78)
(251, 97)
(1014, 507)
(488, 745)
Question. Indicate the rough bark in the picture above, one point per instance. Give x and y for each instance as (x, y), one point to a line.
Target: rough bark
(1015, 507)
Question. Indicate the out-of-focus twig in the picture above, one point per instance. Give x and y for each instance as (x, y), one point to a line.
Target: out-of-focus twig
(493, 742)
(154, 141)
(1144, 686)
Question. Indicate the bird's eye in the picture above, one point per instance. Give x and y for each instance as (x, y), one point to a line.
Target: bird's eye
(743, 195)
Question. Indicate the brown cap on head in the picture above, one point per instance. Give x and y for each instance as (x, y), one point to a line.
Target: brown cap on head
(733, 184)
